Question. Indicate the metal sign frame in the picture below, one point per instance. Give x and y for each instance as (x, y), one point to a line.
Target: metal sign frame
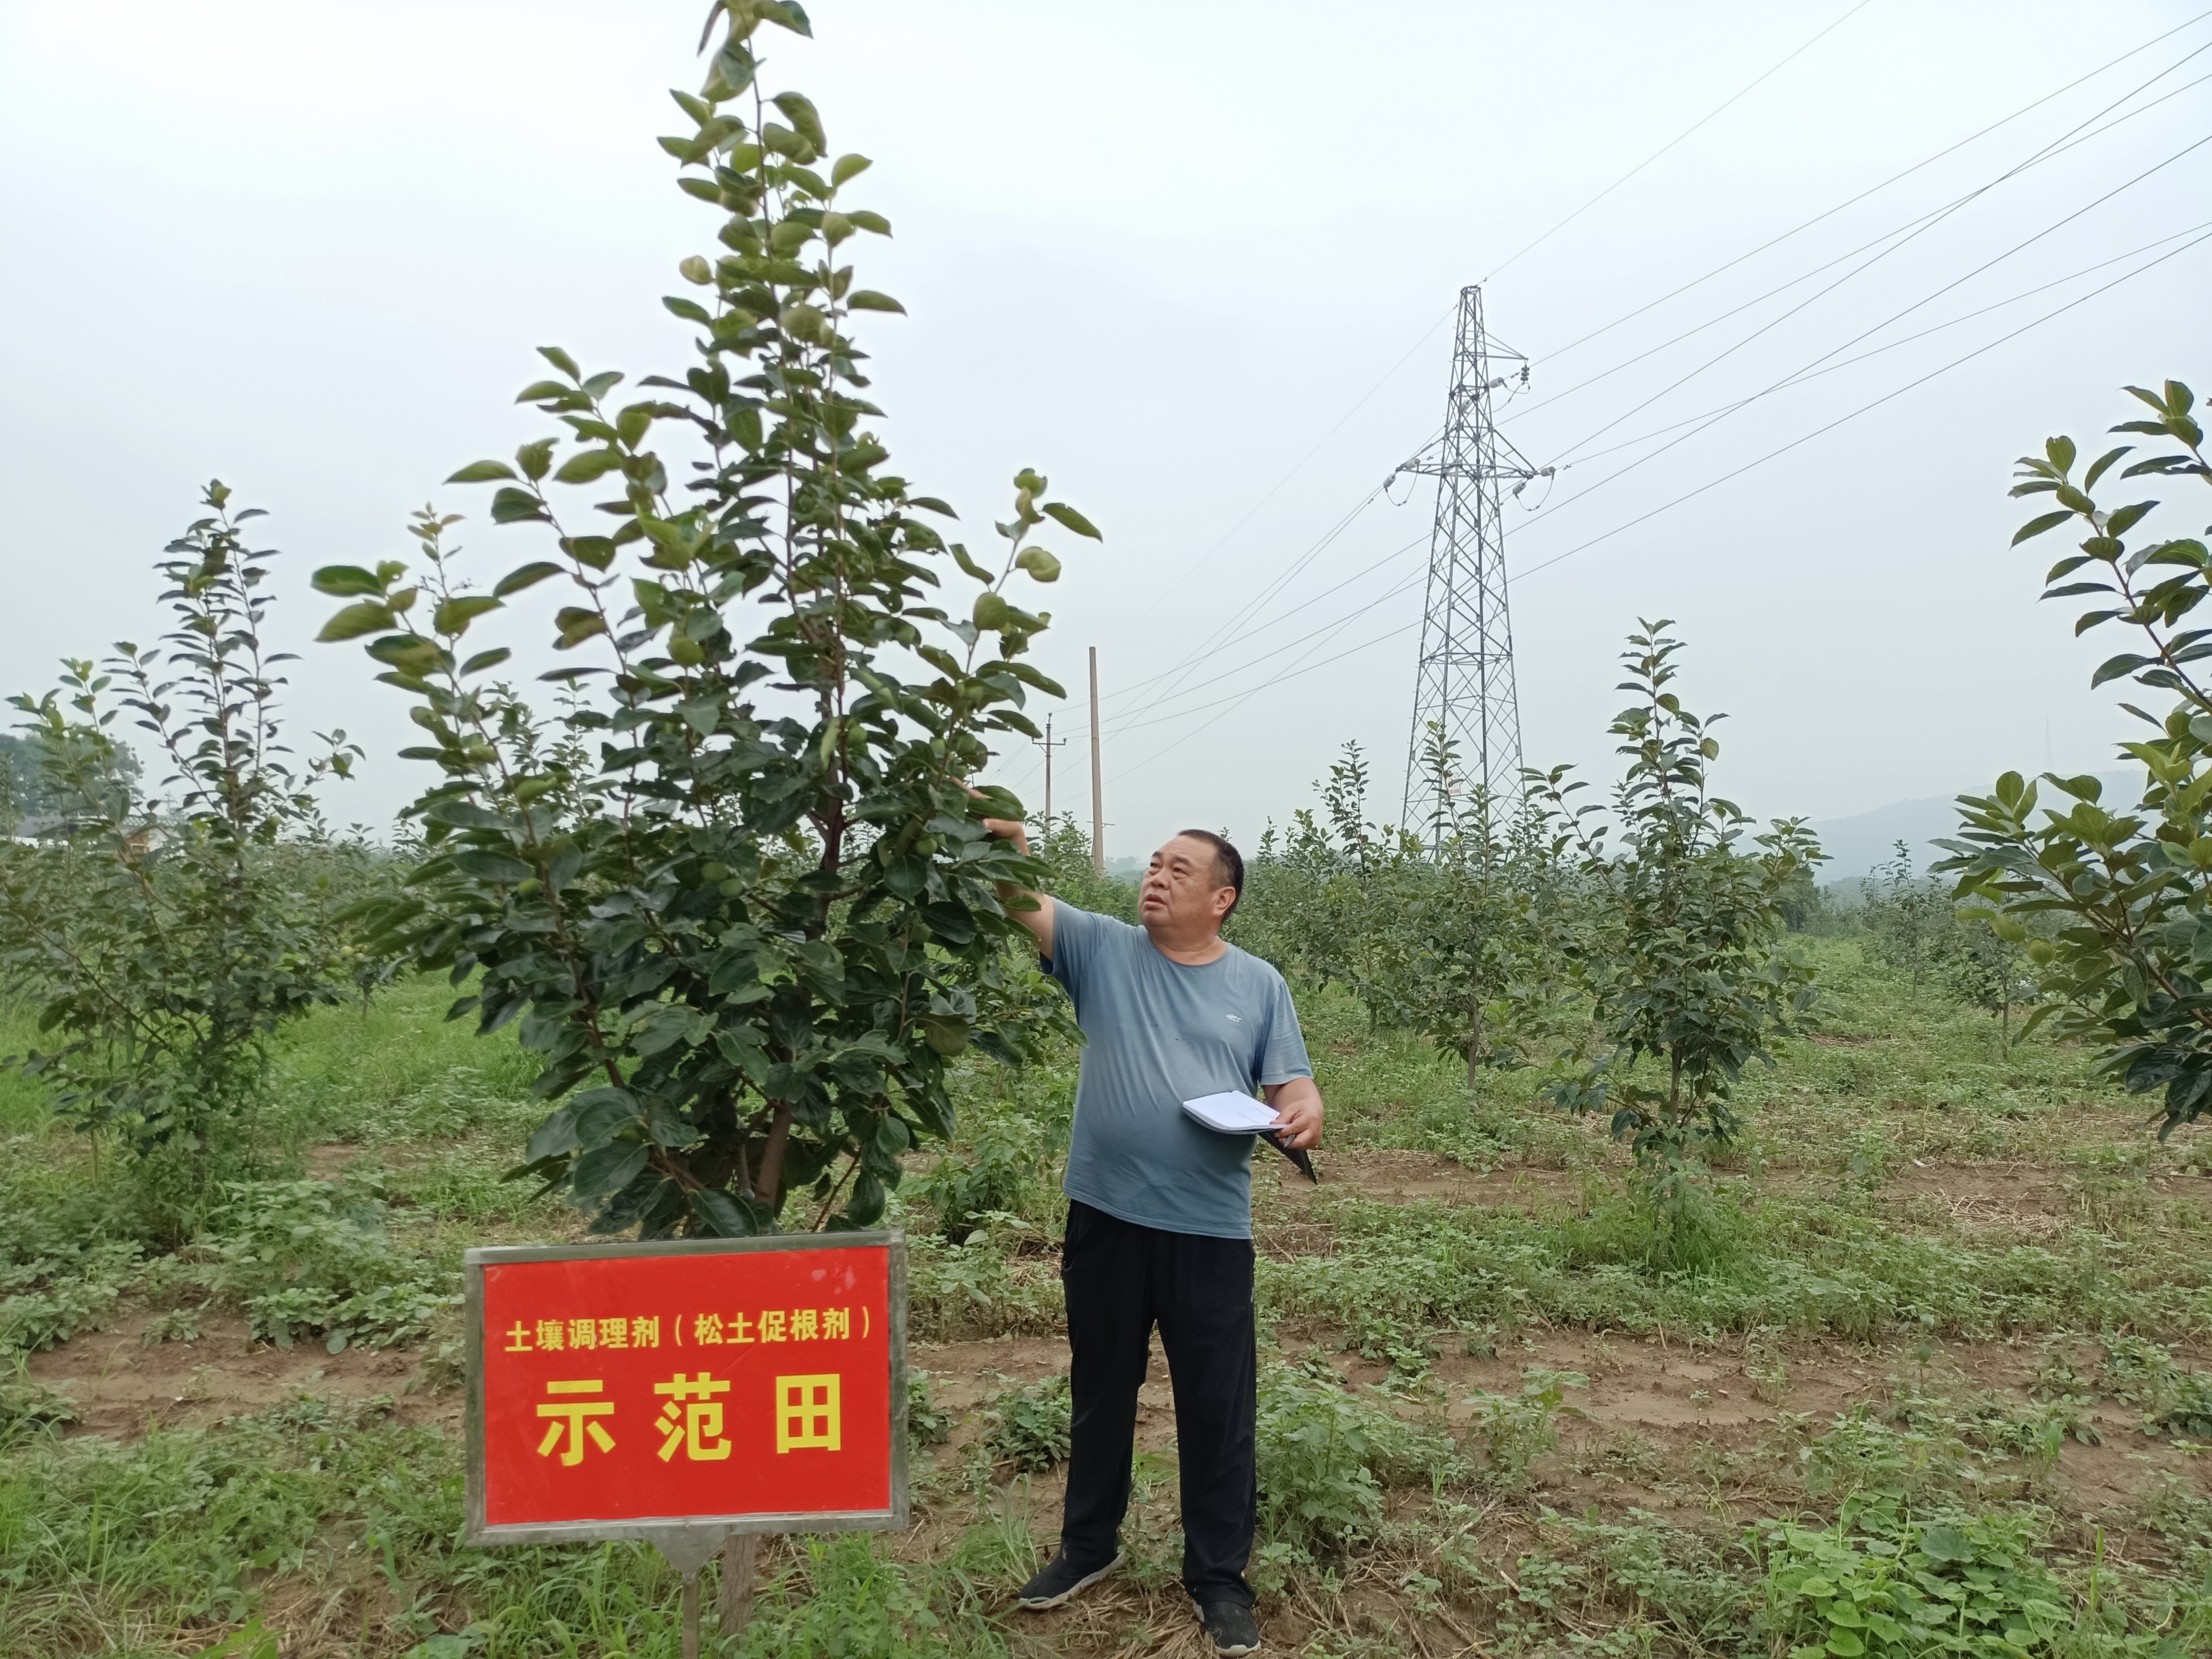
(684, 1539)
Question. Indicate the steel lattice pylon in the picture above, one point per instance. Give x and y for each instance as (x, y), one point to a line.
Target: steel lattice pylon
(1464, 681)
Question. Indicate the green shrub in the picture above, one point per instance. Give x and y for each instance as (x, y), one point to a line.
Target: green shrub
(1665, 1571)
(928, 1424)
(1029, 1424)
(1002, 1166)
(313, 1258)
(1862, 1459)
(2145, 1374)
(1894, 1589)
(167, 945)
(1325, 1456)
(978, 1290)
(1513, 1431)
(25, 1404)
(848, 1600)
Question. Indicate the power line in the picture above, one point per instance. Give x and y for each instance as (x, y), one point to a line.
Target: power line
(1227, 704)
(1361, 575)
(1326, 630)
(1887, 397)
(1678, 138)
(1623, 471)
(1295, 466)
(1236, 620)
(1274, 490)
(1815, 373)
(1897, 237)
(1242, 618)
(1237, 702)
(1875, 190)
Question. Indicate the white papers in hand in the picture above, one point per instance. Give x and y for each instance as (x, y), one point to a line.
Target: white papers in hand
(1231, 1113)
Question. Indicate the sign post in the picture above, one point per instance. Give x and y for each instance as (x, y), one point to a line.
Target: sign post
(687, 1391)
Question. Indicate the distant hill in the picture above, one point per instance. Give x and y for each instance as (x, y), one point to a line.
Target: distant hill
(1855, 844)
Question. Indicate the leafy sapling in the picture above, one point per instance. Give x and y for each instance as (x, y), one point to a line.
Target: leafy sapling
(735, 891)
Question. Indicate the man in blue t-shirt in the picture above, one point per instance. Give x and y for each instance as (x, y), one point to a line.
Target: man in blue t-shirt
(1159, 1218)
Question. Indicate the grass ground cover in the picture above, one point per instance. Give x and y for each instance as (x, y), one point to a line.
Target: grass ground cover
(1942, 1386)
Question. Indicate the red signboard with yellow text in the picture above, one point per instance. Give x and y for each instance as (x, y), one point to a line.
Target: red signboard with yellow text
(752, 1385)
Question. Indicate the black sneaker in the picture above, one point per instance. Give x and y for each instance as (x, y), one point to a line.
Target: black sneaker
(1231, 1626)
(1062, 1580)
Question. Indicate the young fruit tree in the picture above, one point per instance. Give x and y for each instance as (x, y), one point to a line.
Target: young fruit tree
(2119, 901)
(735, 890)
(1683, 961)
(164, 943)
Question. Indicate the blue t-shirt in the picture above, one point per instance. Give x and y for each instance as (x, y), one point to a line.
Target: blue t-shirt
(1159, 1033)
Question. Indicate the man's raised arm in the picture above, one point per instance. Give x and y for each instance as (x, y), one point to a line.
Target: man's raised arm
(1032, 910)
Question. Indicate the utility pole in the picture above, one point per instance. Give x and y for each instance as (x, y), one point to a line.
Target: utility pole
(1097, 799)
(1047, 743)
(1463, 683)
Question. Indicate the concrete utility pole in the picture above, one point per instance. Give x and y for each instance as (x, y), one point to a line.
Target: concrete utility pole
(1047, 743)
(1097, 799)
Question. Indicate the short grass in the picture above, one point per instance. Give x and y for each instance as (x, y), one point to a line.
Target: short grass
(1956, 1311)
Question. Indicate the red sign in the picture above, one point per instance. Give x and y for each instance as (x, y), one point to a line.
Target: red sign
(744, 1379)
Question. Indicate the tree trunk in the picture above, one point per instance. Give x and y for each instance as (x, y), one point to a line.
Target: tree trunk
(771, 1168)
(1474, 1039)
(734, 1596)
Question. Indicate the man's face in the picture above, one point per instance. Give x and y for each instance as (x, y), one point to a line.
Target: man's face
(1181, 886)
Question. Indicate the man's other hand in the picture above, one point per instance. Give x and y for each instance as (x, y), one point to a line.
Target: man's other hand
(1297, 1110)
(1036, 913)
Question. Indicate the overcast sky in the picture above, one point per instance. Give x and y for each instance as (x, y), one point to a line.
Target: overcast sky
(1195, 262)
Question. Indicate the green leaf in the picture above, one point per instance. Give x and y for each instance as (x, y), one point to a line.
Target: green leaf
(867, 299)
(2061, 452)
(1039, 563)
(1942, 1543)
(849, 167)
(991, 610)
(513, 505)
(2124, 518)
(801, 113)
(606, 1169)
(2036, 527)
(945, 1034)
(454, 615)
(786, 13)
(562, 360)
(502, 869)
(721, 1215)
(367, 617)
(1074, 520)
(538, 391)
(2097, 470)
(486, 471)
(577, 625)
(587, 465)
(2114, 667)
(528, 576)
(345, 578)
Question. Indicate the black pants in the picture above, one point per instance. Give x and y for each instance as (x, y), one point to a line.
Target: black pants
(1121, 1279)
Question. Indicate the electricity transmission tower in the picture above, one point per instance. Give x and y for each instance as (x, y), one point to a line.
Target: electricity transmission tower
(1463, 685)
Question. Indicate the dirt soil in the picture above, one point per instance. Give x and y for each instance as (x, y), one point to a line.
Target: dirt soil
(1682, 1430)
(123, 1388)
